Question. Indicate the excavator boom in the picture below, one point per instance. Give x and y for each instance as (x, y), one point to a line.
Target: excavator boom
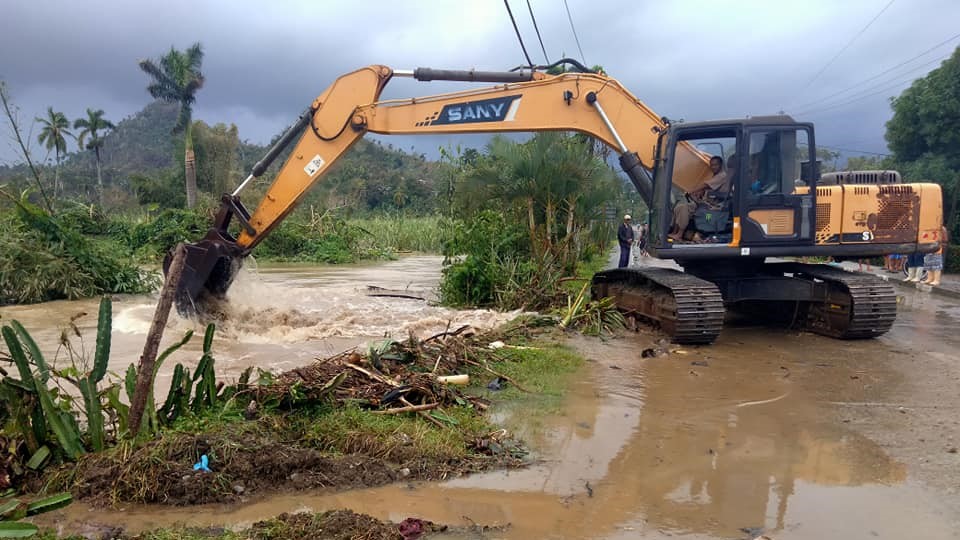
(523, 101)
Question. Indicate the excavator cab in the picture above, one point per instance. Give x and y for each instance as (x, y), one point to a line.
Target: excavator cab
(762, 195)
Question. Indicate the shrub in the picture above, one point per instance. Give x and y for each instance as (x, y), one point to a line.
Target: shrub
(41, 258)
(153, 238)
(165, 191)
(487, 262)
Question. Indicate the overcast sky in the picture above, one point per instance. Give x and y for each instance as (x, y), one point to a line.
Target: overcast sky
(696, 60)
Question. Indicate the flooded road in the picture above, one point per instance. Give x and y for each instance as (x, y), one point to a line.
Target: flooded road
(769, 431)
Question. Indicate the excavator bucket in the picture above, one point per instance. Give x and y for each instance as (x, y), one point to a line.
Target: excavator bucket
(211, 264)
(208, 272)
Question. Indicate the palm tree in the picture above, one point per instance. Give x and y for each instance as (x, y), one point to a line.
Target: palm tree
(91, 126)
(176, 79)
(53, 135)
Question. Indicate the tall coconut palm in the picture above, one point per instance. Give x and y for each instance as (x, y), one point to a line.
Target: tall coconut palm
(55, 129)
(91, 127)
(176, 79)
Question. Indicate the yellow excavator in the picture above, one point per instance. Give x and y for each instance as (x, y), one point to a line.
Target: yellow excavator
(772, 202)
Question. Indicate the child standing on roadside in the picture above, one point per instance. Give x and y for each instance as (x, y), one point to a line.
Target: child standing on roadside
(933, 262)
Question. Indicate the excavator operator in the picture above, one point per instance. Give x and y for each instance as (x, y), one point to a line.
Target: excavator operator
(712, 194)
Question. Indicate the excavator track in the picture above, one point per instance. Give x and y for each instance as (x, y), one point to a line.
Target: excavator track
(858, 306)
(690, 310)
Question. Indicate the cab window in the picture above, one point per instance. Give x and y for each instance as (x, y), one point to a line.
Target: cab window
(775, 161)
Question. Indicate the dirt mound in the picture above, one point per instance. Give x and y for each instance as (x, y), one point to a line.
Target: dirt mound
(162, 472)
(338, 525)
(333, 525)
(285, 444)
(243, 460)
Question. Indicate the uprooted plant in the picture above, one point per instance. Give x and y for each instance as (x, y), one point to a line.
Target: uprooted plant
(593, 317)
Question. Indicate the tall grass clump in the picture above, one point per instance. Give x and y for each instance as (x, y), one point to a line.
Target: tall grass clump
(424, 234)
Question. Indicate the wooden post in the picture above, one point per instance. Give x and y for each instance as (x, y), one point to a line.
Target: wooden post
(149, 357)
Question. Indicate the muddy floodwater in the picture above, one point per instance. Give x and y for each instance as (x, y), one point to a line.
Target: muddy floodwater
(768, 431)
(281, 316)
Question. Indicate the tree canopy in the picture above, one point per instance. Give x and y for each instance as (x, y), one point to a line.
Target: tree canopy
(924, 133)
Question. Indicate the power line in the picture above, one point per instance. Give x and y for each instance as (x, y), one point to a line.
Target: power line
(534, 19)
(570, 18)
(847, 46)
(853, 151)
(860, 95)
(882, 73)
(845, 103)
(517, 30)
(863, 93)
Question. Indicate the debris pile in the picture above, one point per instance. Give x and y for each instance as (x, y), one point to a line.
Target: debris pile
(393, 377)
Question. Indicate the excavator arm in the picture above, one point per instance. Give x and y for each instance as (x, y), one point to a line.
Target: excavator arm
(523, 101)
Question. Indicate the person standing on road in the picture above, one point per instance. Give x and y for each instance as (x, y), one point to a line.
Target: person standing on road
(933, 262)
(625, 237)
(914, 267)
(642, 240)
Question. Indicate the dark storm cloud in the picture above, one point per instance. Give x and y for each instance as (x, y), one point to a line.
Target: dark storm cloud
(266, 61)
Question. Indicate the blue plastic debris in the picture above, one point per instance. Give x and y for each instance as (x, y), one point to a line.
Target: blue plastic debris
(203, 464)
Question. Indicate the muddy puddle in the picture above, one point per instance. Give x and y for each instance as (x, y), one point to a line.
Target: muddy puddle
(281, 316)
(746, 436)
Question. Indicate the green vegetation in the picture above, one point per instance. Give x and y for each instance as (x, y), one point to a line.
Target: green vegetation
(924, 134)
(45, 417)
(176, 78)
(42, 257)
(13, 510)
(543, 366)
(90, 138)
(530, 212)
(951, 259)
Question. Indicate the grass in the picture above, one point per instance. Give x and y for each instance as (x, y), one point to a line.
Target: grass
(395, 438)
(545, 370)
(585, 271)
(419, 234)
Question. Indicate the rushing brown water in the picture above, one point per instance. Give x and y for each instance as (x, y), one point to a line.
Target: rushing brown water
(282, 316)
(755, 434)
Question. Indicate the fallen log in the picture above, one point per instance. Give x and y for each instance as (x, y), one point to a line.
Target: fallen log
(373, 290)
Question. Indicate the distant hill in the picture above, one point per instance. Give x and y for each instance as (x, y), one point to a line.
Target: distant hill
(141, 143)
(370, 176)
